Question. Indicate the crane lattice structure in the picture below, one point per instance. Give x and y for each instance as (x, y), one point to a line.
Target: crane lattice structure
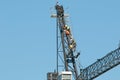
(65, 43)
(66, 51)
(102, 65)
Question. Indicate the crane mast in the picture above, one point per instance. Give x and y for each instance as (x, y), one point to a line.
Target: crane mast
(67, 42)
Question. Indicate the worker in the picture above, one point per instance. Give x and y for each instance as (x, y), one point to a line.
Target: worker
(65, 26)
(60, 11)
(67, 30)
(73, 45)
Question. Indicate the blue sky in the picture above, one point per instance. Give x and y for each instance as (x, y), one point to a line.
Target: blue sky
(28, 38)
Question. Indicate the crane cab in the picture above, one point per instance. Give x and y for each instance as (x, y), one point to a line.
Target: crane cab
(65, 75)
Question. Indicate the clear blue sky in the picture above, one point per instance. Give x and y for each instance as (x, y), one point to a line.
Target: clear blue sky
(28, 41)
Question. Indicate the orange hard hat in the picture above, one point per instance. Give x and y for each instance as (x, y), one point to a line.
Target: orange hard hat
(67, 32)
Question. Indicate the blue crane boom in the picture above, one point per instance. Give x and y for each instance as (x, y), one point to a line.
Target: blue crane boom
(102, 65)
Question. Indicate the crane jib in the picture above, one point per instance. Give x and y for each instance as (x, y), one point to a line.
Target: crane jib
(102, 65)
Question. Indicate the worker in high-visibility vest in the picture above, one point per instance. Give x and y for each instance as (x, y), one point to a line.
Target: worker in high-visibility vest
(73, 45)
(67, 30)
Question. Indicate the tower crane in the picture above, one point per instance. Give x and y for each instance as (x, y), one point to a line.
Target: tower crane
(67, 42)
(66, 50)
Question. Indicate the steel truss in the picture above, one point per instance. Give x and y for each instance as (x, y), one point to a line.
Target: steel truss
(102, 65)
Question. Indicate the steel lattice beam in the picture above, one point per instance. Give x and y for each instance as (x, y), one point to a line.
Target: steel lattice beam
(102, 65)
